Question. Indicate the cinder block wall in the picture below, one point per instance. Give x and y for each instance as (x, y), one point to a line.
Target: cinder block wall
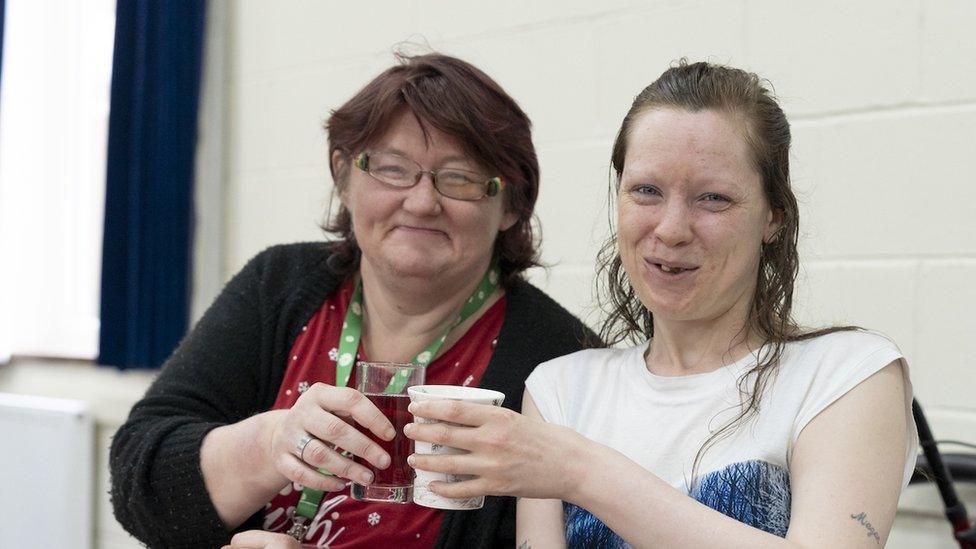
(882, 96)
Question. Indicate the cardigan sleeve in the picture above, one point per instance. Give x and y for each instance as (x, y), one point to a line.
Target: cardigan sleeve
(211, 379)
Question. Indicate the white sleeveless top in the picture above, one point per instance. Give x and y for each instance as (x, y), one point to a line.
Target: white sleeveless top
(609, 396)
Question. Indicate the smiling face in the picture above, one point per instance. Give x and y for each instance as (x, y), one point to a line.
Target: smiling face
(415, 231)
(691, 216)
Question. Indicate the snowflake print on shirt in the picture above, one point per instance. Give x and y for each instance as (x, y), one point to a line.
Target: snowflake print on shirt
(373, 519)
(334, 354)
(302, 387)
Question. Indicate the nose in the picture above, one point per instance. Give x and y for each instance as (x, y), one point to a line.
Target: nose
(423, 199)
(674, 226)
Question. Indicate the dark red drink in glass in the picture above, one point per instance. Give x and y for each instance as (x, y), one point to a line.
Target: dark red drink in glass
(394, 407)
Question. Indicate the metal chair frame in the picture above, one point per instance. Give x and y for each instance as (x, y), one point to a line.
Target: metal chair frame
(940, 468)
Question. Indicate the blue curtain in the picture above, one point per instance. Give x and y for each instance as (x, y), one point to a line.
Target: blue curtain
(146, 275)
(3, 10)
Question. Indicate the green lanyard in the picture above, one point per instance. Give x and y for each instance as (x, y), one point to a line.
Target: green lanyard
(352, 331)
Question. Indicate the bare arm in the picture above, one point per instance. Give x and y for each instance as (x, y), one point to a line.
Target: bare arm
(848, 464)
(539, 522)
(237, 467)
(841, 469)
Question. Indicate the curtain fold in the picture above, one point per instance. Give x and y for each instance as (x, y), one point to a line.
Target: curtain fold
(146, 251)
(3, 9)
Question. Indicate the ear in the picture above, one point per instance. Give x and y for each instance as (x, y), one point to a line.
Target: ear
(339, 164)
(774, 222)
(508, 219)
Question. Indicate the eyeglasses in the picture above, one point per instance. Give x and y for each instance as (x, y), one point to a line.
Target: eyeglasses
(400, 171)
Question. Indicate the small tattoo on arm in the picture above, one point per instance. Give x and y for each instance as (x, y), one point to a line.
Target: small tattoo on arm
(862, 517)
(525, 545)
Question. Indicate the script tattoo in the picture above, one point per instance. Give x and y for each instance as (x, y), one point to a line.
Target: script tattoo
(862, 517)
(525, 545)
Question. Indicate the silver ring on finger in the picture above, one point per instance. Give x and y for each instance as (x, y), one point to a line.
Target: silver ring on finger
(302, 443)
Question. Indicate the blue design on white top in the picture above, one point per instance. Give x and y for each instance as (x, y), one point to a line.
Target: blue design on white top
(754, 492)
(583, 530)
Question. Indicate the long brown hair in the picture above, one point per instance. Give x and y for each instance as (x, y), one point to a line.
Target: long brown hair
(748, 100)
(460, 100)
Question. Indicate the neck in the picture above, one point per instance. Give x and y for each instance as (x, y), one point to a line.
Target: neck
(681, 348)
(402, 315)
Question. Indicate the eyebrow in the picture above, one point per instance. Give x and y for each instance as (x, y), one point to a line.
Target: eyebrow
(457, 159)
(650, 178)
(445, 160)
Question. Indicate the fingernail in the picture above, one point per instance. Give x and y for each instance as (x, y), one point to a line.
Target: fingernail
(365, 478)
(407, 428)
(412, 407)
(410, 460)
(390, 434)
(384, 461)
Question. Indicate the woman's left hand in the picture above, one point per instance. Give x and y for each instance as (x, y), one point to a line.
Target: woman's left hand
(509, 454)
(259, 539)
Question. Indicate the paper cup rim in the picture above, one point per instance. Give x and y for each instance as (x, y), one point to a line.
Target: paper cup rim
(474, 393)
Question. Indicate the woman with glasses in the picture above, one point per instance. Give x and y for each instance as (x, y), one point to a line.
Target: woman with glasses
(437, 177)
(726, 424)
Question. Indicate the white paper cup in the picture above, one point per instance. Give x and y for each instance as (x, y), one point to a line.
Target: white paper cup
(421, 493)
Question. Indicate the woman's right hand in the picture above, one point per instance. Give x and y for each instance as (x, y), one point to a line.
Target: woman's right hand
(259, 539)
(325, 413)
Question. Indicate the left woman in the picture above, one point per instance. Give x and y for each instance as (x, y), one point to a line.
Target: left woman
(437, 178)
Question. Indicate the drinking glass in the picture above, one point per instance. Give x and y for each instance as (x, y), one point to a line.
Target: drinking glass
(385, 385)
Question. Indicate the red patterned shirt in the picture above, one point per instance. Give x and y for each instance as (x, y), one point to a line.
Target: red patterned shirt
(343, 522)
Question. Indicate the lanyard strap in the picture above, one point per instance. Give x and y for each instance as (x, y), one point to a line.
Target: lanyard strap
(352, 331)
(352, 328)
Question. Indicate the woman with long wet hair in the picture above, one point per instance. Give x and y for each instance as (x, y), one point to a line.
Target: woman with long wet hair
(726, 424)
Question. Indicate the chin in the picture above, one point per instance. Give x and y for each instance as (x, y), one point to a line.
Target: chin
(412, 269)
(416, 267)
(671, 310)
(676, 316)
(409, 256)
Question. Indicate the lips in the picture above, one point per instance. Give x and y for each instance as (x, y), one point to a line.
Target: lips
(422, 230)
(670, 267)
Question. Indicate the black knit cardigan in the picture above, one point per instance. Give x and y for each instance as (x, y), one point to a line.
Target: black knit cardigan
(230, 366)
